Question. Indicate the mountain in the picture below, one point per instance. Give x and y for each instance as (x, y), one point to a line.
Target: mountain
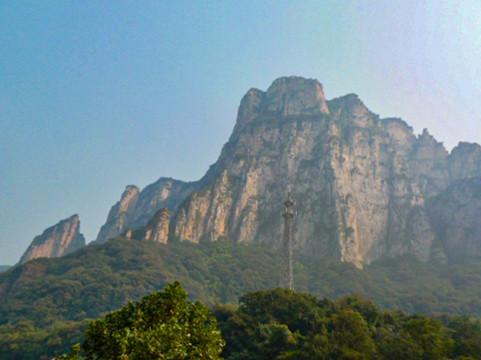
(369, 193)
(4, 268)
(58, 240)
(455, 213)
(364, 187)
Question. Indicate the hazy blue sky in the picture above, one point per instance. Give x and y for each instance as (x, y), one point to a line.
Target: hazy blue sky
(96, 95)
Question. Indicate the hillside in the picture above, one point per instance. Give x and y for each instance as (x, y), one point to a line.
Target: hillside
(283, 324)
(49, 298)
(274, 324)
(104, 277)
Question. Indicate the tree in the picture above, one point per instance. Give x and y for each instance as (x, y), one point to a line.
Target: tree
(163, 325)
(350, 336)
(466, 333)
(421, 338)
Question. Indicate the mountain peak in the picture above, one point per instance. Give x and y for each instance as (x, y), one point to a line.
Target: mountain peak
(296, 83)
(56, 241)
(249, 107)
(295, 95)
(348, 106)
(287, 96)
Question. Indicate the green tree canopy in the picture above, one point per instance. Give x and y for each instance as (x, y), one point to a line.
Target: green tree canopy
(163, 325)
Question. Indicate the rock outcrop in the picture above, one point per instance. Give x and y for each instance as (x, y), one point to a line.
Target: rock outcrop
(465, 161)
(362, 184)
(136, 207)
(120, 213)
(56, 241)
(455, 214)
(157, 229)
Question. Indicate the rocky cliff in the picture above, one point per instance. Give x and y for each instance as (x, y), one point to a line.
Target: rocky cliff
(56, 241)
(455, 214)
(362, 184)
(157, 229)
(350, 172)
(136, 207)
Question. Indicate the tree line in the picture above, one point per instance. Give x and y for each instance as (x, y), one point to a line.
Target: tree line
(274, 324)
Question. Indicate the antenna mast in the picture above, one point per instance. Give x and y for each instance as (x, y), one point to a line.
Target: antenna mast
(287, 280)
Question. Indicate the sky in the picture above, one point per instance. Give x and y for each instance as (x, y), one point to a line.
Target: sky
(97, 95)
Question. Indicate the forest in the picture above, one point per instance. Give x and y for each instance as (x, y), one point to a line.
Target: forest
(47, 304)
(274, 324)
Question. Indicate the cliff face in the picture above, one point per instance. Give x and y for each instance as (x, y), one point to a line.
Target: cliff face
(349, 171)
(120, 214)
(136, 207)
(361, 183)
(455, 214)
(56, 241)
(465, 161)
(157, 229)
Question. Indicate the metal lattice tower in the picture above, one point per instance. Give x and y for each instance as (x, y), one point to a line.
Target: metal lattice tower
(287, 279)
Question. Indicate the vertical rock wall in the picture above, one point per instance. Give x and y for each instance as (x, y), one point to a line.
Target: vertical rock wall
(157, 229)
(56, 241)
(362, 184)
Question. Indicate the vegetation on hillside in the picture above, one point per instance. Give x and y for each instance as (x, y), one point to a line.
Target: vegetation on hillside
(45, 304)
(283, 324)
(275, 324)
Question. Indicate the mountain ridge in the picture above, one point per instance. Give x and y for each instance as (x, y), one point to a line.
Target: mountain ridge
(364, 186)
(361, 182)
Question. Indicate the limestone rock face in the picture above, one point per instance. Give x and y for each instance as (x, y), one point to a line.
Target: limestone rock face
(157, 229)
(465, 160)
(429, 162)
(205, 214)
(56, 241)
(119, 214)
(348, 170)
(136, 207)
(290, 96)
(363, 186)
(456, 213)
(401, 135)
